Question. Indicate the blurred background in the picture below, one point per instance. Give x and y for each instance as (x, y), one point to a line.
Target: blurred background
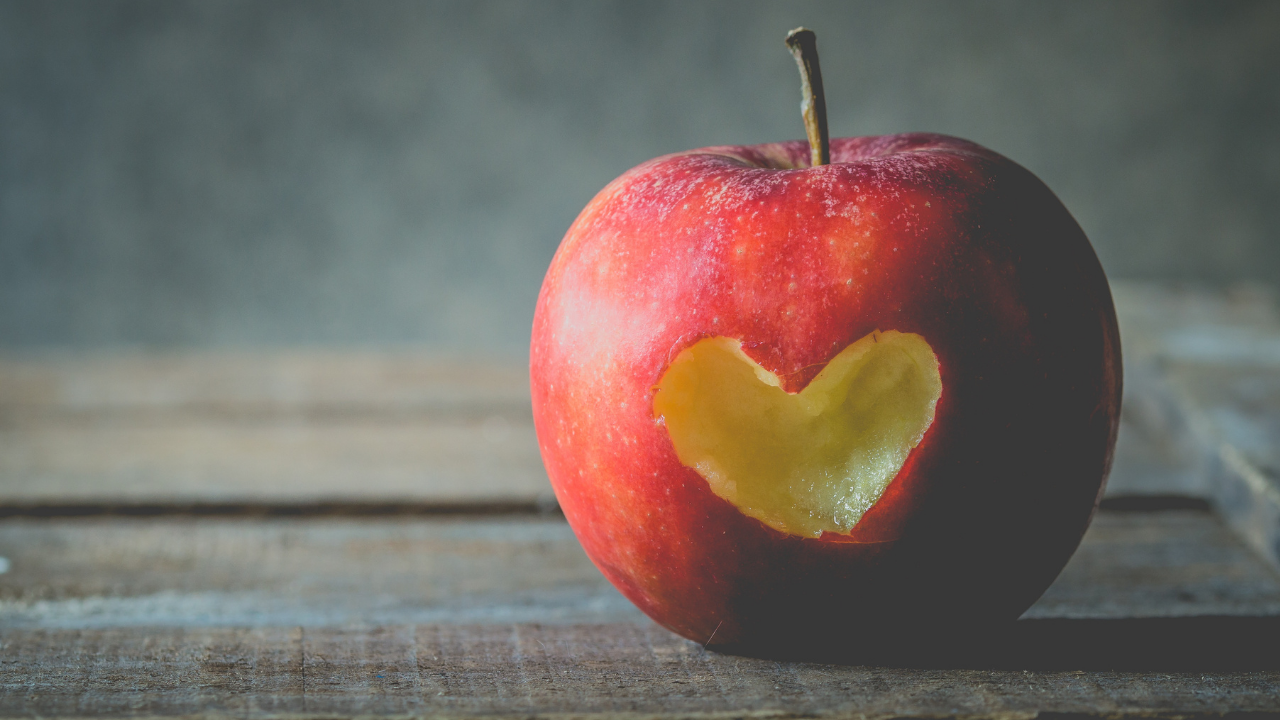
(247, 174)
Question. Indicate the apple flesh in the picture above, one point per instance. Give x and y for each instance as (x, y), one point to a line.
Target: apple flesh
(741, 465)
(808, 463)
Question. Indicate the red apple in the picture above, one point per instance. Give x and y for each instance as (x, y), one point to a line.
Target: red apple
(782, 403)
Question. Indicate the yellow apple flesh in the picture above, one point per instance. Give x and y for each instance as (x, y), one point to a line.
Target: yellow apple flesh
(809, 462)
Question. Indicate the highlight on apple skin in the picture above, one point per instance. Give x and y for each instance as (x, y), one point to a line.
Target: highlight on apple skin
(796, 406)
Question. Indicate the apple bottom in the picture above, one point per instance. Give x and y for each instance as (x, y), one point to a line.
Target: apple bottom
(861, 600)
(982, 538)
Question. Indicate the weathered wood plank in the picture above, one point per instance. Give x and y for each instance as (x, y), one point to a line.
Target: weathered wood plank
(1090, 667)
(1157, 451)
(1160, 564)
(493, 459)
(1239, 415)
(100, 573)
(286, 384)
(1161, 448)
(266, 428)
(1216, 397)
(189, 573)
(1152, 314)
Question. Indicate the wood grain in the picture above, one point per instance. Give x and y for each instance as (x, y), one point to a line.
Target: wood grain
(631, 670)
(266, 428)
(286, 384)
(494, 459)
(1237, 414)
(1162, 446)
(100, 573)
(314, 572)
(1210, 368)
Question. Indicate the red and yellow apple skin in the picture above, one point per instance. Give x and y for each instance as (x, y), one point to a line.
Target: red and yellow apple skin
(916, 233)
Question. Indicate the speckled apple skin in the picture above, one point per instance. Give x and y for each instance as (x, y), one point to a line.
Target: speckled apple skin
(918, 233)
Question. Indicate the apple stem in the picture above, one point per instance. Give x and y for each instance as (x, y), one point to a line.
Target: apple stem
(804, 46)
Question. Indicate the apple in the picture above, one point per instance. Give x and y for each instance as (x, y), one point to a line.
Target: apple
(793, 403)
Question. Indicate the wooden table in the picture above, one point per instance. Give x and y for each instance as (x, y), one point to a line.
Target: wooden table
(327, 534)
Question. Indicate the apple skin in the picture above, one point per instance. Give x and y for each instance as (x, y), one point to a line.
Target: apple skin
(918, 233)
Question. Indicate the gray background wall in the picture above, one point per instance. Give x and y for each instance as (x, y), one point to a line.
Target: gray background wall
(246, 174)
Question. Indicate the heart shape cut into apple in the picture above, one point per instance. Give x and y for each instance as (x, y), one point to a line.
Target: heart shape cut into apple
(809, 462)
